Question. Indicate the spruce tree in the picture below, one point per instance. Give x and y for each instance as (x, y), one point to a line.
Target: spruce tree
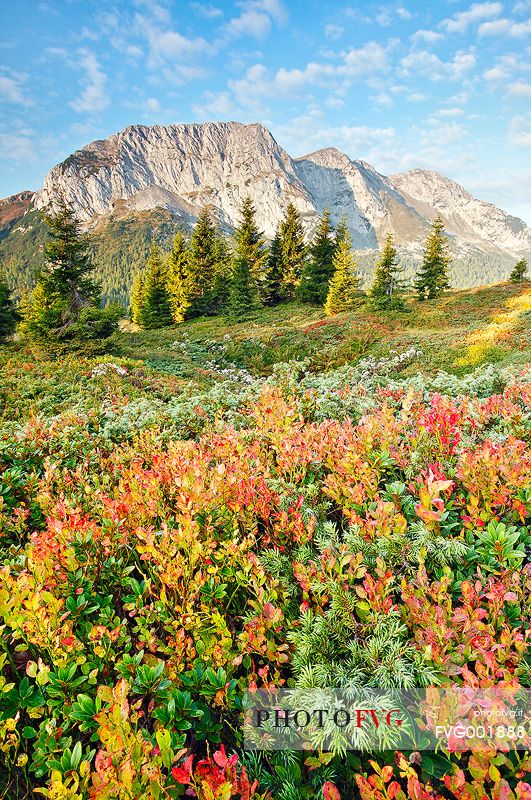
(386, 291)
(137, 297)
(249, 242)
(344, 286)
(8, 313)
(319, 268)
(222, 273)
(178, 279)
(64, 306)
(274, 273)
(203, 256)
(519, 273)
(243, 295)
(155, 311)
(293, 250)
(67, 263)
(432, 279)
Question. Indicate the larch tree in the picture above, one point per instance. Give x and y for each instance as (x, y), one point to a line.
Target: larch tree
(344, 285)
(432, 279)
(293, 249)
(178, 282)
(137, 297)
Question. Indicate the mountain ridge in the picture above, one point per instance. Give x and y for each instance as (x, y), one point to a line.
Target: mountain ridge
(189, 165)
(149, 181)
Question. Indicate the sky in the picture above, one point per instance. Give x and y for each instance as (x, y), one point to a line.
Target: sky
(441, 85)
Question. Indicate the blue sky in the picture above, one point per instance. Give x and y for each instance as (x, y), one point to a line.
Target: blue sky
(444, 85)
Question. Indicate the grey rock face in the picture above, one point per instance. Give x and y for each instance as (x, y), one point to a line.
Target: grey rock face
(184, 167)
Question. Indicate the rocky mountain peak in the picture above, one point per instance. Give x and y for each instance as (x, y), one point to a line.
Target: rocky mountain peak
(181, 168)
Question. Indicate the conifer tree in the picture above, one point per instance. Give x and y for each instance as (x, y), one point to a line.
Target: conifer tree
(178, 279)
(155, 311)
(293, 249)
(222, 273)
(386, 291)
(342, 231)
(519, 273)
(319, 268)
(8, 313)
(243, 295)
(344, 286)
(249, 242)
(67, 263)
(274, 273)
(432, 279)
(203, 255)
(137, 297)
(65, 302)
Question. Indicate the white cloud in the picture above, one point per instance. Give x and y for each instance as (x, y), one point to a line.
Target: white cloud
(207, 11)
(404, 13)
(425, 36)
(520, 89)
(429, 65)
(506, 27)
(93, 98)
(256, 19)
(173, 46)
(17, 146)
(520, 131)
(370, 59)
(333, 32)
(249, 23)
(357, 64)
(152, 104)
(449, 112)
(155, 10)
(477, 12)
(11, 92)
(505, 68)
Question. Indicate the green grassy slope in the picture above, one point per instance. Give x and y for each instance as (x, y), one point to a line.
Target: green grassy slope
(457, 333)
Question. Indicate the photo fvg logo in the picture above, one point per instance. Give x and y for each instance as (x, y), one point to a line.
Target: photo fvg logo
(361, 718)
(341, 718)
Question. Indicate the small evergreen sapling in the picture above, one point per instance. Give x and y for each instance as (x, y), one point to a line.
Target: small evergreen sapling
(386, 291)
(243, 296)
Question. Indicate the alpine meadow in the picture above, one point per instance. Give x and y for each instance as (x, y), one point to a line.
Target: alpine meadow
(265, 419)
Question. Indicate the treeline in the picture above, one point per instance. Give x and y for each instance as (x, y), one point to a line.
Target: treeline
(210, 274)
